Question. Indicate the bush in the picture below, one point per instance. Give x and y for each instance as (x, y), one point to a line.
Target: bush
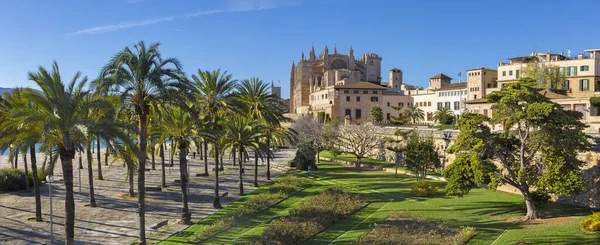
(210, 230)
(311, 217)
(540, 197)
(305, 157)
(288, 184)
(12, 179)
(257, 203)
(425, 188)
(591, 223)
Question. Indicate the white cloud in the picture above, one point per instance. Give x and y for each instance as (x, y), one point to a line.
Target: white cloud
(232, 6)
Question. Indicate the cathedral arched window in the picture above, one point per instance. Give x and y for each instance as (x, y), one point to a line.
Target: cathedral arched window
(338, 64)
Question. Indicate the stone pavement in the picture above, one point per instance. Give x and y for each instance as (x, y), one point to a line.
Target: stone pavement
(115, 221)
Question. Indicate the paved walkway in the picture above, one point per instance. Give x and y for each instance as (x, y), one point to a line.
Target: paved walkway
(115, 221)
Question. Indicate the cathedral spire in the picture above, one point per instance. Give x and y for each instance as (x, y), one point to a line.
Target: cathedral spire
(335, 49)
(311, 56)
(293, 65)
(351, 52)
(302, 55)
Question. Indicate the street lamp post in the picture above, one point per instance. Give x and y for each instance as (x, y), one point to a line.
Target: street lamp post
(50, 179)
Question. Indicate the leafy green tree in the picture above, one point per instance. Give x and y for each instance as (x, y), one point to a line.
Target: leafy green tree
(62, 112)
(242, 133)
(376, 113)
(143, 77)
(402, 118)
(179, 125)
(465, 173)
(414, 114)
(546, 76)
(420, 155)
(444, 116)
(538, 147)
(214, 91)
(398, 145)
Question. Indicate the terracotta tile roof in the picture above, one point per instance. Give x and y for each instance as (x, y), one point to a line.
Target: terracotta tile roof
(360, 85)
(441, 75)
(453, 86)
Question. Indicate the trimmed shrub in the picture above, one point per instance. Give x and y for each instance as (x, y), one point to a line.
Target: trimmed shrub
(311, 217)
(305, 157)
(540, 197)
(591, 223)
(12, 179)
(257, 203)
(425, 188)
(214, 228)
(288, 184)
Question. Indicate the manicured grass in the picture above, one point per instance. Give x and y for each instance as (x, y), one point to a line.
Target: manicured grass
(366, 160)
(491, 213)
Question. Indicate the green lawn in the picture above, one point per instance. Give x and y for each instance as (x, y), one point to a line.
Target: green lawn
(491, 213)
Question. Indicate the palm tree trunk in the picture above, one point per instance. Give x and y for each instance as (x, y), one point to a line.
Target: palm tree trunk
(36, 185)
(183, 176)
(241, 183)
(269, 158)
(153, 160)
(172, 153)
(162, 160)
(255, 168)
(234, 156)
(217, 200)
(26, 171)
(222, 169)
(200, 145)
(205, 158)
(66, 158)
(142, 141)
(90, 175)
(100, 177)
(17, 158)
(80, 162)
(131, 174)
(106, 156)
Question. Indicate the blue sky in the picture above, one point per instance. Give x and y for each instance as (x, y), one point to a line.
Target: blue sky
(260, 38)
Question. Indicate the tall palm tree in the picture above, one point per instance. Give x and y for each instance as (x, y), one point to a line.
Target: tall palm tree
(242, 133)
(415, 114)
(179, 125)
(260, 105)
(213, 90)
(62, 111)
(143, 77)
(444, 115)
(13, 130)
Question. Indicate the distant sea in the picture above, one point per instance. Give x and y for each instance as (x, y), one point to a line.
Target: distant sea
(37, 148)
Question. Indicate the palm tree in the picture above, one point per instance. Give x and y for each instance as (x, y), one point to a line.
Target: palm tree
(444, 115)
(260, 105)
(415, 114)
(12, 130)
(179, 125)
(242, 133)
(213, 90)
(143, 76)
(62, 111)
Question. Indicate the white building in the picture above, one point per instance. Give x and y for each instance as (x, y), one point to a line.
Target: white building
(451, 96)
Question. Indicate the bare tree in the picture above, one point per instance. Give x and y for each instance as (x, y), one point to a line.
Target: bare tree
(359, 140)
(323, 136)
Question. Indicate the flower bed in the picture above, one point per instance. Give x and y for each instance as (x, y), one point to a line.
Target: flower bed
(309, 218)
(403, 228)
(281, 189)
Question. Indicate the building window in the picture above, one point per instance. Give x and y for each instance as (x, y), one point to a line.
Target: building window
(388, 116)
(347, 98)
(517, 73)
(409, 104)
(457, 105)
(429, 103)
(401, 104)
(374, 91)
(510, 73)
(503, 73)
(388, 104)
(584, 68)
(357, 98)
(439, 107)
(447, 105)
(346, 91)
(365, 91)
(584, 85)
(567, 85)
(485, 112)
(374, 99)
(358, 114)
(348, 113)
(356, 91)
